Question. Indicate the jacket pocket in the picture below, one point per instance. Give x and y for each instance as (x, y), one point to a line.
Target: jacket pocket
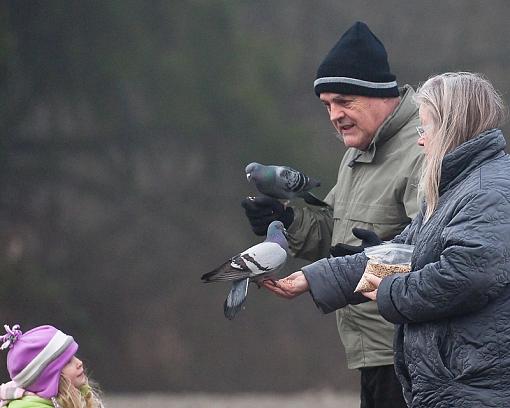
(385, 221)
(471, 359)
(379, 214)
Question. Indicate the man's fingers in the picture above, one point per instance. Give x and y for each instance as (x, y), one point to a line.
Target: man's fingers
(344, 249)
(257, 203)
(276, 287)
(367, 236)
(268, 283)
(289, 287)
(261, 221)
(277, 291)
(258, 212)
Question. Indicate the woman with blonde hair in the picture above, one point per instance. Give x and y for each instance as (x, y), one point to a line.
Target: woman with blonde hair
(452, 310)
(45, 371)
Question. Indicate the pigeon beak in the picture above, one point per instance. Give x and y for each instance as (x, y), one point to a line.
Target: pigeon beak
(285, 233)
(248, 176)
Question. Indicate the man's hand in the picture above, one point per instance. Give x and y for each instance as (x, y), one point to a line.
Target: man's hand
(262, 211)
(374, 280)
(289, 287)
(368, 239)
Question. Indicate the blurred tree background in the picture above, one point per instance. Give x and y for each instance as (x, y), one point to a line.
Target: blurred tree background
(127, 127)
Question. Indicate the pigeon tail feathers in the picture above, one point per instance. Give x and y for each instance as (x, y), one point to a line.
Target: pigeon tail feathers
(311, 199)
(235, 299)
(256, 263)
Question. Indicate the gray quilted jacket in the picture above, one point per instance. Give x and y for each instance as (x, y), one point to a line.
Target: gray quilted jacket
(452, 343)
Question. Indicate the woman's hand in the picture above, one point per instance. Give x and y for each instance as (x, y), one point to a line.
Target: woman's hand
(374, 280)
(289, 287)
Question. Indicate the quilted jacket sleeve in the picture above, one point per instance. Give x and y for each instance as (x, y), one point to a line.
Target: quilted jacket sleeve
(472, 269)
(332, 281)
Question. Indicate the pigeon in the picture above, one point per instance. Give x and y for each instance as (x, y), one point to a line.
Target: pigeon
(257, 263)
(283, 182)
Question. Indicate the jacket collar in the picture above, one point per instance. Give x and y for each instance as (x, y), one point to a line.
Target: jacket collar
(461, 161)
(393, 123)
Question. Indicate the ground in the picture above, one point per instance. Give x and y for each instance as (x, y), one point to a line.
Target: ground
(315, 399)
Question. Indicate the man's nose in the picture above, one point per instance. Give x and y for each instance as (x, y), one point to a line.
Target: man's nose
(336, 113)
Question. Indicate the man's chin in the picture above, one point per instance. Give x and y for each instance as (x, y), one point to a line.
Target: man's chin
(348, 140)
(340, 137)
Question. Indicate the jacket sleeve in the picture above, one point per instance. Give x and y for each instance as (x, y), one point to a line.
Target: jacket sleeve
(473, 267)
(332, 281)
(309, 235)
(410, 198)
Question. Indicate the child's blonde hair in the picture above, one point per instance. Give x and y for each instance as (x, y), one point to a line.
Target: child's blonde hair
(88, 396)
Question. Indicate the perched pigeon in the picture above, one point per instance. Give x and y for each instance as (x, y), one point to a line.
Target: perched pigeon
(282, 182)
(255, 264)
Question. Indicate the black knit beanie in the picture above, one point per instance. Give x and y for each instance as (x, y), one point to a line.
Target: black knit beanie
(357, 65)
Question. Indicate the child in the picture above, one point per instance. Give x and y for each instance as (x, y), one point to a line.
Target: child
(44, 371)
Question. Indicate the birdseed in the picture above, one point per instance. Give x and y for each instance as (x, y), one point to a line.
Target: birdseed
(380, 270)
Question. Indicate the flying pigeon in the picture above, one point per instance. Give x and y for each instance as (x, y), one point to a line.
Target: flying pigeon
(282, 182)
(257, 263)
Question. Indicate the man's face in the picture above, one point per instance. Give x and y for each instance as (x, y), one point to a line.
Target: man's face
(356, 118)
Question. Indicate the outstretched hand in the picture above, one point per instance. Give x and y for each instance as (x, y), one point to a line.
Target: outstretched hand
(374, 280)
(289, 287)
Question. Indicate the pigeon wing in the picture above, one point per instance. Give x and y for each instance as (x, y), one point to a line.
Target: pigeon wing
(294, 182)
(289, 181)
(256, 260)
(234, 269)
(264, 258)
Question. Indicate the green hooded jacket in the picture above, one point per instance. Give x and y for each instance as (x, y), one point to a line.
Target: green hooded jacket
(376, 189)
(30, 401)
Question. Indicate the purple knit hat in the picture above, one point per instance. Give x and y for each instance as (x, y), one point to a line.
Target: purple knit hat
(36, 358)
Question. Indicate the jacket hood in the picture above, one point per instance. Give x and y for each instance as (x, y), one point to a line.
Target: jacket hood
(469, 155)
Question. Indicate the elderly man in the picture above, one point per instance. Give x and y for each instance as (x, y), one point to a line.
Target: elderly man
(376, 190)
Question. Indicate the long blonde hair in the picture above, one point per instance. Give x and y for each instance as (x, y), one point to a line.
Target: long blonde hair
(71, 397)
(461, 105)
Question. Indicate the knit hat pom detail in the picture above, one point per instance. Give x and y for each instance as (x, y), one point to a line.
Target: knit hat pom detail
(11, 336)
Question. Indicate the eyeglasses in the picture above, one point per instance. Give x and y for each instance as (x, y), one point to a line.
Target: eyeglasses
(422, 129)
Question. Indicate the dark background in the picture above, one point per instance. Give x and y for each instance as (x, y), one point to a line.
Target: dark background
(127, 127)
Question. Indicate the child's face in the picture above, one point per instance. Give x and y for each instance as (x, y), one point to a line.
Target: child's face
(73, 370)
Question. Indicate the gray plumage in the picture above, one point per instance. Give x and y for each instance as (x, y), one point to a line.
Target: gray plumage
(282, 182)
(255, 264)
